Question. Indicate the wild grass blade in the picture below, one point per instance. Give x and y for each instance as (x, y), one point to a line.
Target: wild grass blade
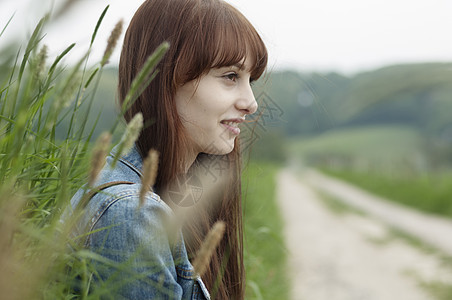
(7, 24)
(57, 61)
(99, 22)
(93, 74)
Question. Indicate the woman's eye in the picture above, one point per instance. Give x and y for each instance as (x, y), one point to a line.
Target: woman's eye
(231, 76)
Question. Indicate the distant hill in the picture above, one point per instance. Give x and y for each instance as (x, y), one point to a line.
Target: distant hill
(417, 95)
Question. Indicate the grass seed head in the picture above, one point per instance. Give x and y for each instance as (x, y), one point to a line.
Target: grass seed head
(41, 63)
(129, 137)
(211, 242)
(112, 41)
(132, 133)
(98, 158)
(150, 169)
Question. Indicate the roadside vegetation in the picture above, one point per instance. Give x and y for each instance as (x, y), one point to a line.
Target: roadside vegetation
(429, 192)
(265, 252)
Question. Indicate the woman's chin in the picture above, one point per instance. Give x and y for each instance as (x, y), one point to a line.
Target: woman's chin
(221, 147)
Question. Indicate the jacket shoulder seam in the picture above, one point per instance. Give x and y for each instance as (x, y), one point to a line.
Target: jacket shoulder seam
(110, 201)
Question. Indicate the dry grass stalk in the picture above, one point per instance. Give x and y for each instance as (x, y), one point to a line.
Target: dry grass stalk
(112, 41)
(208, 247)
(98, 159)
(129, 137)
(150, 169)
(132, 132)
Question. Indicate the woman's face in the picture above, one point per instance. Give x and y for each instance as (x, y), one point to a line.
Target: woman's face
(212, 108)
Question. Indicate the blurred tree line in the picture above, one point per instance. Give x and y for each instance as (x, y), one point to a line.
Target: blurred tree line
(418, 96)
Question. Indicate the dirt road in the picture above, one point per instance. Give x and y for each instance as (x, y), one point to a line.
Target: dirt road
(349, 256)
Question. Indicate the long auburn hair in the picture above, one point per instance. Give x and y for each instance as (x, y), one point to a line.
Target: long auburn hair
(202, 34)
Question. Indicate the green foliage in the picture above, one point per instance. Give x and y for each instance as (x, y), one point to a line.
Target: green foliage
(437, 289)
(38, 171)
(265, 253)
(46, 128)
(269, 146)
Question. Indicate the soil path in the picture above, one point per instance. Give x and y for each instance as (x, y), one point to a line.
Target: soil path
(348, 256)
(430, 229)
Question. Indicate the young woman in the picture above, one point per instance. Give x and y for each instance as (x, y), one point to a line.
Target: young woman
(192, 110)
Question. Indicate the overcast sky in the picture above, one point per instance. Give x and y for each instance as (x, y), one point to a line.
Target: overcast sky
(322, 35)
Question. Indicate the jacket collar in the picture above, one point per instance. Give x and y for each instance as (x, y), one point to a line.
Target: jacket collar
(132, 159)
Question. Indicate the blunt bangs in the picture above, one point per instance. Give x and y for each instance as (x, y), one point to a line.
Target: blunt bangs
(236, 40)
(220, 36)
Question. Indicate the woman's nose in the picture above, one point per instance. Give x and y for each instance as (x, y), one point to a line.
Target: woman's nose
(247, 102)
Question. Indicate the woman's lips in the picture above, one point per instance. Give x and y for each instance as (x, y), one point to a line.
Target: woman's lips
(232, 125)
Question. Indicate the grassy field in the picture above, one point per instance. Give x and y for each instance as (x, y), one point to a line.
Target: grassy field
(265, 253)
(428, 192)
(354, 145)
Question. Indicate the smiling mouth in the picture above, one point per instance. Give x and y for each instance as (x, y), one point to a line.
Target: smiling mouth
(232, 126)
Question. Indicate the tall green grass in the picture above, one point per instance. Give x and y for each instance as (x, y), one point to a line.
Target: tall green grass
(38, 171)
(45, 156)
(265, 252)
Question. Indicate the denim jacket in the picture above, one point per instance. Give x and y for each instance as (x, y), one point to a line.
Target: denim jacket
(145, 264)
